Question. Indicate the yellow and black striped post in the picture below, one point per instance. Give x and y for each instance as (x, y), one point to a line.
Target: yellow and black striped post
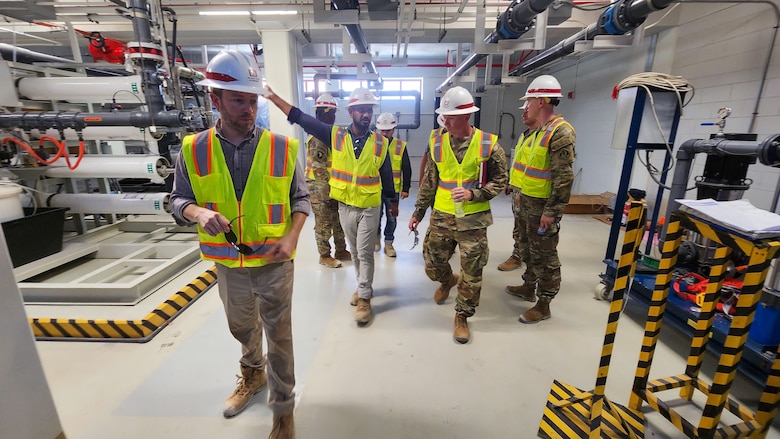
(760, 252)
(573, 413)
(139, 330)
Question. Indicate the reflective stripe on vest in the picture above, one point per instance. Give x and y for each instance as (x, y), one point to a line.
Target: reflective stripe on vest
(265, 217)
(531, 167)
(355, 180)
(397, 148)
(465, 174)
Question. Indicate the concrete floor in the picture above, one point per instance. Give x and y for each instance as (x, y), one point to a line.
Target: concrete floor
(402, 376)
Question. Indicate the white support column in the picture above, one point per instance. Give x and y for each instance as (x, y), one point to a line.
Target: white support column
(26, 408)
(283, 70)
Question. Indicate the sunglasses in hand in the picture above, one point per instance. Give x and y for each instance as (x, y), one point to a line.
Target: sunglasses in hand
(240, 247)
(416, 238)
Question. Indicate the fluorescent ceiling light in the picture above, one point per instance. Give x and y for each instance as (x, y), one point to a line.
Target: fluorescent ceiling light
(261, 12)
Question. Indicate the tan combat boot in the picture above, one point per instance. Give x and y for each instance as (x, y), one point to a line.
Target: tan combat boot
(510, 264)
(252, 381)
(443, 292)
(462, 333)
(354, 299)
(327, 261)
(540, 311)
(389, 250)
(284, 427)
(363, 311)
(525, 291)
(343, 255)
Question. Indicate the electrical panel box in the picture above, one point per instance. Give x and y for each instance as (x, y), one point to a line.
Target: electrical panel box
(655, 113)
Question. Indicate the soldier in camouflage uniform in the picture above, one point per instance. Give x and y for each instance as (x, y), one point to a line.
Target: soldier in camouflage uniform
(542, 174)
(466, 168)
(326, 210)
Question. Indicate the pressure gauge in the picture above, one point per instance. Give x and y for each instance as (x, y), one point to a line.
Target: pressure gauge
(724, 112)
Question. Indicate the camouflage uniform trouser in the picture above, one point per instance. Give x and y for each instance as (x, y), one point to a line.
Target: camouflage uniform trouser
(326, 224)
(517, 253)
(438, 248)
(543, 268)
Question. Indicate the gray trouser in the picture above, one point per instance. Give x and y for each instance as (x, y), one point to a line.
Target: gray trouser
(360, 226)
(257, 299)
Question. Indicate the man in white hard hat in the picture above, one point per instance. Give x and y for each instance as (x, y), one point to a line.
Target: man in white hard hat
(466, 168)
(326, 209)
(360, 177)
(541, 179)
(248, 225)
(402, 178)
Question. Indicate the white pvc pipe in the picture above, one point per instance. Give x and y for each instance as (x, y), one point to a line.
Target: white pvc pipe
(135, 203)
(105, 90)
(153, 167)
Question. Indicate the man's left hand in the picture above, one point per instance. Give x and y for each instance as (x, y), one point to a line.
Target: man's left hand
(404, 195)
(282, 249)
(546, 221)
(394, 209)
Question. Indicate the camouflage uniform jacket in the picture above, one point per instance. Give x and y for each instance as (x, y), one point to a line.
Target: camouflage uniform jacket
(319, 188)
(497, 180)
(561, 150)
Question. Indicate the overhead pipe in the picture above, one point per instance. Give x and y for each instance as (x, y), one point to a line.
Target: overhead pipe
(511, 24)
(355, 32)
(621, 17)
(768, 153)
(26, 56)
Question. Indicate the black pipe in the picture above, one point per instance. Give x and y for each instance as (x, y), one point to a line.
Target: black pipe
(511, 24)
(621, 17)
(355, 32)
(43, 120)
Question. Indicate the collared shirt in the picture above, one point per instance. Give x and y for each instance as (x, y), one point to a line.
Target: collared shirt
(239, 161)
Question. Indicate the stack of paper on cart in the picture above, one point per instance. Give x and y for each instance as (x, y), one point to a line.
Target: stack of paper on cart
(738, 215)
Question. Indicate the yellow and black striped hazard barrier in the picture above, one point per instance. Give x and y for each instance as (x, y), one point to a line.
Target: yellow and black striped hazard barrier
(140, 331)
(573, 413)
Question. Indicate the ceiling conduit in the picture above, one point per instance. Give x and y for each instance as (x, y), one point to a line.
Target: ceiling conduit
(511, 24)
(623, 16)
(355, 32)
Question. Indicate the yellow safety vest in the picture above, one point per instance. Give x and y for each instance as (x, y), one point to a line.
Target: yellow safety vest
(531, 168)
(355, 180)
(265, 217)
(309, 168)
(465, 174)
(397, 148)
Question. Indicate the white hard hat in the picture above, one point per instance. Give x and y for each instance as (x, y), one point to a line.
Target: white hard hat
(544, 86)
(233, 70)
(386, 121)
(456, 101)
(361, 96)
(440, 120)
(325, 100)
(522, 107)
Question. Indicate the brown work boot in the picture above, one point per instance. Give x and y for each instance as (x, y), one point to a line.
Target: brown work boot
(327, 261)
(525, 291)
(343, 255)
(389, 250)
(443, 292)
(462, 333)
(378, 245)
(540, 311)
(284, 427)
(252, 381)
(510, 264)
(354, 299)
(363, 311)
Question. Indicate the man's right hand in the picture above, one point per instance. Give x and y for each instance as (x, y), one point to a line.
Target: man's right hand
(413, 222)
(507, 190)
(211, 222)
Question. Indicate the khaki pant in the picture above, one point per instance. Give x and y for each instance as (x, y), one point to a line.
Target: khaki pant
(360, 226)
(259, 299)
